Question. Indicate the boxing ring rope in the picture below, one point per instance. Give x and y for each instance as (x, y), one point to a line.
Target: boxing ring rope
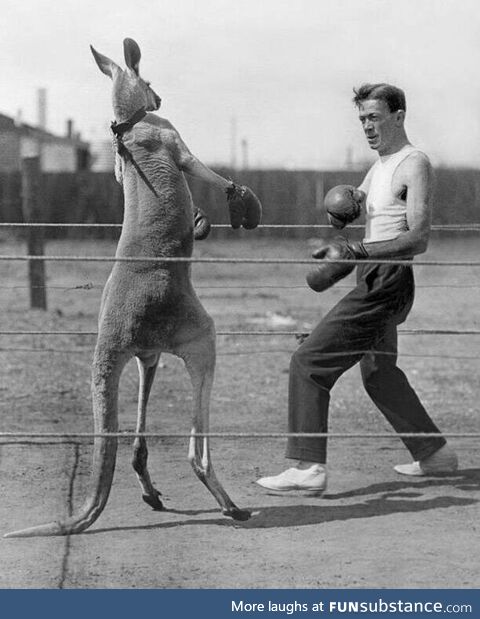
(237, 353)
(445, 227)
(18, 436)
(209, 260)
(261, 333)
(91, 286)
(297, 334)
(234, 435)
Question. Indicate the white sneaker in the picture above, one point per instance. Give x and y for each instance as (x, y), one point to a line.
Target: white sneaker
(310, 482)
(442, 462)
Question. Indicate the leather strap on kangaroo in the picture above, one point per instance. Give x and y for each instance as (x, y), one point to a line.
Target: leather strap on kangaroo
(118, 129)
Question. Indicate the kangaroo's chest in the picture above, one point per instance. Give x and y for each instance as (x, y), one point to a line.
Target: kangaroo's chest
(158, 202)
(155, 146)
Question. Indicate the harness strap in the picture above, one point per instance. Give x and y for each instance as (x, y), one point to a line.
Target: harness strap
(118, 130)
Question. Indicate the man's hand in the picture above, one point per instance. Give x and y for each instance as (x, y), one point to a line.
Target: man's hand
(343, 204)
(201, 225)
(244, 206)
(328, 273)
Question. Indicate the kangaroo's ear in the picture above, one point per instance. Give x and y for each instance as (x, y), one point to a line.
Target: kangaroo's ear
(132, 54)
(105, 65)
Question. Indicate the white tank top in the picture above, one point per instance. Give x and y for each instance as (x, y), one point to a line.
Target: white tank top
(386, 214)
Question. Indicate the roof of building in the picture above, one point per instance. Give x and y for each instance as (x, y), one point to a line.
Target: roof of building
(8, 124)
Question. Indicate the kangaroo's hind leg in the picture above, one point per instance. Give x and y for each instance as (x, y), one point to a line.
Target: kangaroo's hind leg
(147, 367)
(199, 357)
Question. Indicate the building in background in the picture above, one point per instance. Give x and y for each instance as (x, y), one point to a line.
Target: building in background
(102, 155)
(68, 153)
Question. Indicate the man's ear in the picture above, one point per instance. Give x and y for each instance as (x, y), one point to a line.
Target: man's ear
(105, 65)
(400, 117)
(132, 54)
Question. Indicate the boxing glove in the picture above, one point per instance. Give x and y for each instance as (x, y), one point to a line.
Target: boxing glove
(343, 205)
(244, 206)
(327, 274)
(201, 225)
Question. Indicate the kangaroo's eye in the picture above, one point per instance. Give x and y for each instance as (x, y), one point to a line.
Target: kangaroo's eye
(147, 84)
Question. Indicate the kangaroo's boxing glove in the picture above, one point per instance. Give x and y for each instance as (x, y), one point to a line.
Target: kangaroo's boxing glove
(201, 225)
(244, 207)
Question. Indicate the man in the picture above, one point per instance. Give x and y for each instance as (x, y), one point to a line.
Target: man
(398, 191)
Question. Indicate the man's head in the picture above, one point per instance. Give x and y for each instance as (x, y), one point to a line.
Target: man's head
(382, 110)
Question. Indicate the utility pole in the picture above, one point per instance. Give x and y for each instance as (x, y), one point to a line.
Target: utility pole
(245, 154)
(233, 143)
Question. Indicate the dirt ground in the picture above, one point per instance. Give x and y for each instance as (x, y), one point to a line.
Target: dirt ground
(371, 529)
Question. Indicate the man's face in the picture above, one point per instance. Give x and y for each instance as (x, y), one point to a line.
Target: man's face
(381, 126)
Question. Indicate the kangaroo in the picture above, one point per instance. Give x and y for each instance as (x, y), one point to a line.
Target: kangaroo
(148, 307)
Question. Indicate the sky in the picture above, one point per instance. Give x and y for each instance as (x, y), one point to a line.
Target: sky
(277, 74)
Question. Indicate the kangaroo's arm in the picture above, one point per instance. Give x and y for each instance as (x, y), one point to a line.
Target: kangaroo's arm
(196, 168)
(181, 155)
(118, 169)
(188, 163)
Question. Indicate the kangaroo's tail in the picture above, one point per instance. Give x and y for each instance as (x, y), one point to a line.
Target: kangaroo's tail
(107, 369)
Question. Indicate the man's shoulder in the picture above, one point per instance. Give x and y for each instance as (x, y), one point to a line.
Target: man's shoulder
(416, 162)
(419, 156)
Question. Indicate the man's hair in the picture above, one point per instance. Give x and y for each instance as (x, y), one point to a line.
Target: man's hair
(394, 97)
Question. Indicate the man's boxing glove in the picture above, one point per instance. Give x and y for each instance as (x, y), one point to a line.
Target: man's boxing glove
(343, 205)
(244, 206)
(328, 273)
(201, 225)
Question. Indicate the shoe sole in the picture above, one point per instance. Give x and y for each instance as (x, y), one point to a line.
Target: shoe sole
(427, 473)
(439, 473)
(421, 472)
(295, 491)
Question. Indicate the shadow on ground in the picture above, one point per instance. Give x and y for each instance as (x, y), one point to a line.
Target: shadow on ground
(392, 498)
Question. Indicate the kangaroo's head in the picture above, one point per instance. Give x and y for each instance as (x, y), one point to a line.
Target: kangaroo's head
(130, 92)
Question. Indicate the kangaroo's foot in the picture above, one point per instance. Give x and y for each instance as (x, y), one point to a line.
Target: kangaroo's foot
(236, 513)
(152, 499)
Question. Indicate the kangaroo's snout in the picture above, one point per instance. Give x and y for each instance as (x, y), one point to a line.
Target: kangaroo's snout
(152, 100)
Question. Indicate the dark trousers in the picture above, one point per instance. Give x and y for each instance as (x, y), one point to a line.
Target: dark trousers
(366, 319)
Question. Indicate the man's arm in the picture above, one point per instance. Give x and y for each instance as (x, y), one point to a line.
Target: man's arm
(416, 174)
